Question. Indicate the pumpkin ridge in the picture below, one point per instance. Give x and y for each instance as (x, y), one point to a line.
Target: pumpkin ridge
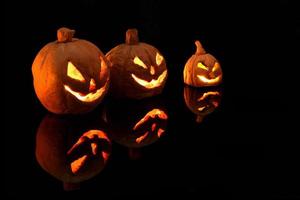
(149, 54)
(87, 75)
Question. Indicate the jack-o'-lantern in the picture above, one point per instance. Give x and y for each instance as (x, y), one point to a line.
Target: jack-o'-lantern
(202, 69)
(136, 124)
(202, 102)
(70, 75)
(138, 70)
(69, 151)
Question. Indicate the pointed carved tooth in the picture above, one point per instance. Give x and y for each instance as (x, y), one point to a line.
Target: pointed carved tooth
(160, 132)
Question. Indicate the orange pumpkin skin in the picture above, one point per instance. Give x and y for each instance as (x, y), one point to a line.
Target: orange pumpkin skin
(136, 61)
(55, 84)
(136, 124)
(202, 69)
(202, 102)
(61, 142)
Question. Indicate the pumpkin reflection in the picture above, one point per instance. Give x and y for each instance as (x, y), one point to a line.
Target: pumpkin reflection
(202, 102)
(136, 124)
(71, 150)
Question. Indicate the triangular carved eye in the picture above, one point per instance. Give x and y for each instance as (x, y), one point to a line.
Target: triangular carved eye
(200, 65)
(159, 58)
(74, 73)
(139, 62)
(216, 66)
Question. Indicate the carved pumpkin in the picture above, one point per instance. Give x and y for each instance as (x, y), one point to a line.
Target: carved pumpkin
(202, 102)
(70, 75)
(69, 151)
(136, 124)
(202, 69)
(138, 70)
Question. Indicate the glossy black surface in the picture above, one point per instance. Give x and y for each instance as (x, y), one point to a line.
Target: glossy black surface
(246, 148)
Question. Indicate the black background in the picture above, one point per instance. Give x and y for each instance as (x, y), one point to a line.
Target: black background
(248, 148)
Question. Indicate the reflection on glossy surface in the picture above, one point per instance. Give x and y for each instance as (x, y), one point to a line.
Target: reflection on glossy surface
(136, 124)
(201, 101)
(71, 150)
(151, 115)
(90, 139)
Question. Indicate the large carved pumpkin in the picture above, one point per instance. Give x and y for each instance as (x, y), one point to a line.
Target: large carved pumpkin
(70, 150)
(202, 69)
(136, 124)
(70, 75)
(138, 70)
(202, 102)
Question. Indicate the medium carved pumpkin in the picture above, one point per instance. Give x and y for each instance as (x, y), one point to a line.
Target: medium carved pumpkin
(202, 102)
(138, 70)
(70, 151)
(70, 75)
(202, 69)
(136, 124)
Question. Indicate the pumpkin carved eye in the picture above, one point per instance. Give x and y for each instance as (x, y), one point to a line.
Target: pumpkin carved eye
(159, 59)
(200, 65)
(74, 73)
(139, 62)
(216, 67)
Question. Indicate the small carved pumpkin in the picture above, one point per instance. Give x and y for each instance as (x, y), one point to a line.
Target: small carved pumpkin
(136, 124)
(70, 75)
(202, 69)
(202, 102)
(138, 70)
(69, 151)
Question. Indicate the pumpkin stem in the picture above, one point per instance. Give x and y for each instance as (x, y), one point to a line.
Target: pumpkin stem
(71, 186)
(134, 154)
(132, 37)
(65, 34)
(199, 118)
(200, 49)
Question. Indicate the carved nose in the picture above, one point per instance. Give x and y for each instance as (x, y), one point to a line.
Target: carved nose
(92, 86)
(152, 70)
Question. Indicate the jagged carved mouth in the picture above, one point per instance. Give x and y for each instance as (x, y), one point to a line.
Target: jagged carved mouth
(210, 81)
(90, 97)
(154, 83)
